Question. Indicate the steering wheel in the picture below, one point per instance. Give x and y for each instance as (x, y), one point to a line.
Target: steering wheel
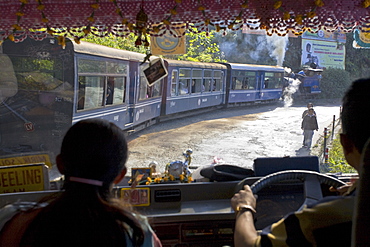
(312, 181)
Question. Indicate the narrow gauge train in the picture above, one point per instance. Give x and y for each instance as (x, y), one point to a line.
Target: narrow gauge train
(45, 88)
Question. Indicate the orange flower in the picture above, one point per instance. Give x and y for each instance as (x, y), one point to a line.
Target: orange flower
(124, 21)
(173, 12)
(299, 19)
(41, 7)
(190, 179)
(77, 40)
(201, 8)
(311, 14)
(319, 3)
(244, 5)
(95, 6)
(17, 27)
(45, 20)
(130, 26)
(156, 29)
(286, 16)
(23, 1)
(91, 19)
(278, 4)
(166, 22)
(11, 37)
(172, 178)
(49, 31)
(86, 30)
(366, 3)
(19, 13)
(207, 21)
(62, 41)
(178, 1)
(218, 28)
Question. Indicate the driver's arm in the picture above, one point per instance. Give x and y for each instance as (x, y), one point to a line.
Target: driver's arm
(245, 233)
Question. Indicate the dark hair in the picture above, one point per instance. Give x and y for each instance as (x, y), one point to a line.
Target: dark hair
(85, 214)
(355, 113)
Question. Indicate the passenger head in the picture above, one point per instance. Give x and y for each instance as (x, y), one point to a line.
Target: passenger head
(355, 115)
(309, 105)
(93, 149)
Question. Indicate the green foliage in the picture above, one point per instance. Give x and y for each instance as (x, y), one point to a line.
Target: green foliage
(200, 47)
(334, 83)
(124, 43)
(337, 161)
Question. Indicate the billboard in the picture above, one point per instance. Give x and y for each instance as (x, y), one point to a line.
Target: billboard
(323, 49)
(167, 44)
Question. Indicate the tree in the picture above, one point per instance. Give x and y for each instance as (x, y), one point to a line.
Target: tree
(124, 43)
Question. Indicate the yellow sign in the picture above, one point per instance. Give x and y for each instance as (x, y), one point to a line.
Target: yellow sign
(22, 178)
(168, 44)
(29, 159)
(136, 197)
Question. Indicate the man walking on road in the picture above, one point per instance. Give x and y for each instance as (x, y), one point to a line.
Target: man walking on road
(309, 124)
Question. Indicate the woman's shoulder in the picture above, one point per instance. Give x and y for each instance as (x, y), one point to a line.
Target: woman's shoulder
(14, 219)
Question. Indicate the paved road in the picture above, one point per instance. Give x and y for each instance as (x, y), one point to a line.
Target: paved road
(237, 135)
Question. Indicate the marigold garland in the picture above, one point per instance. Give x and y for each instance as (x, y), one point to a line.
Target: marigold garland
(296, 21)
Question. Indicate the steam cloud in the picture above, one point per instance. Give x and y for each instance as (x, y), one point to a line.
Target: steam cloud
(277, 46)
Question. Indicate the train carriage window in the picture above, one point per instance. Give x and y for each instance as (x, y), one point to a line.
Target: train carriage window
(184, 81)
(173, 83)
(250, 80)
(101, 82)
(206, 87)
(243, 80)
(237, 80)
(196, 83)
(91, 66)
(183, 86)
(273, 80)
(116, 90)
(116, 68)
(91, 92)
(146, 91)
(217, 80)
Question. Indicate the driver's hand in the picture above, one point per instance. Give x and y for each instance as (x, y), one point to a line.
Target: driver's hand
(342, 189)
(243, 197)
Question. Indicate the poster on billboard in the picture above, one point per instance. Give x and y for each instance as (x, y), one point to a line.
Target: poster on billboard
(323, 50)
(168, 43)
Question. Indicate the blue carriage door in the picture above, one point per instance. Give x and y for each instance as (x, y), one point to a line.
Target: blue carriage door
(132, 90)
(260, 78)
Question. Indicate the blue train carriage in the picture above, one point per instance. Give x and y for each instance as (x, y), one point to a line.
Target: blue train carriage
(109, 84)
(254, 83)
(147, 95)
(311, 82)
(193, 85)
(45, 88)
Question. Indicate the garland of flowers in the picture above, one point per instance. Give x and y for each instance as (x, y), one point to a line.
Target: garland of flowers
(141, 28)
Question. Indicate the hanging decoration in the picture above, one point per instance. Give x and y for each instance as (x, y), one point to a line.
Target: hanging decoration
(77, 19)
